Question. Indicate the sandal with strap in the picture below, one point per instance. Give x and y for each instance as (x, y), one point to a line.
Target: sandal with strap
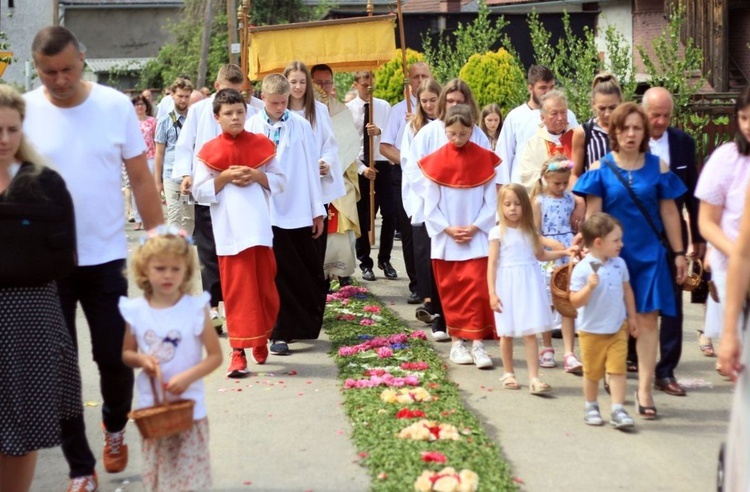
(509, 381)
(547, 358)
(707, 347)
(648, 413)
(539, 387)
(572, 365)
(593, 416)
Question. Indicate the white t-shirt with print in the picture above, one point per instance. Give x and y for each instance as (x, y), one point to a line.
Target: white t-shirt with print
(86, 144)
(173, 336)
(605, 312)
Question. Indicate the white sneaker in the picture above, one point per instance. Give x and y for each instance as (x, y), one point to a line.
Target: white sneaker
(480, 357)
(459, 354)
(439, 334)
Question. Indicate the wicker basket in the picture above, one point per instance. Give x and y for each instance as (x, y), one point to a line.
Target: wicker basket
(560, 287)
(693, 277)
(165, 418)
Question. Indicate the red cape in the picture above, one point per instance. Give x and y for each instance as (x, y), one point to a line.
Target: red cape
(246, 149)
(460, 167)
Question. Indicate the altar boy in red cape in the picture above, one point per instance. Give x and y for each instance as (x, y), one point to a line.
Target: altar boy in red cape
(235, 174)
(460, 206)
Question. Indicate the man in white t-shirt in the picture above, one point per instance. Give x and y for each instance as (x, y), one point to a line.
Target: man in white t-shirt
(521, 124)
(87, 131)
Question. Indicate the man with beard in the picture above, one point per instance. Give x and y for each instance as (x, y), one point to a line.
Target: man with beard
(180, 211)
(521, 124)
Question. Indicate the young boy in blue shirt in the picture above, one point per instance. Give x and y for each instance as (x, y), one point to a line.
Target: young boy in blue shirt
(600, 290)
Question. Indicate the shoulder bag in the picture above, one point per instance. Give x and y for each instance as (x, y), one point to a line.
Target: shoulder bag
(610, 164)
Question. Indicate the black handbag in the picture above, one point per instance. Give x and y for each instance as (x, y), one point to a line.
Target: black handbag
(37, 232)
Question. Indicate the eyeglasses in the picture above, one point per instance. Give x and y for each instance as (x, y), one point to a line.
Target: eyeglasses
(139, 104)
(325, 84)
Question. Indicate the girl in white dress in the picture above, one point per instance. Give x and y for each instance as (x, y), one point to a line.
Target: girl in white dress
(516, 284)
(169, 329)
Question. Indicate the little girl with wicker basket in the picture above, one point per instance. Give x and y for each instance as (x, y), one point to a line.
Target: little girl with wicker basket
(166, 332)
(553, 206)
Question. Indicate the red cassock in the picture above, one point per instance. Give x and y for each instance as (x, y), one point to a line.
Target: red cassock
(251, 301)
(462, 285)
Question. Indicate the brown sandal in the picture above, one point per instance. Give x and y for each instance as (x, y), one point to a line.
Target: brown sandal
(708, 347)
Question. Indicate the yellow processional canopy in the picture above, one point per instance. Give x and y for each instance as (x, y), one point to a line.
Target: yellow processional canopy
(346, 45)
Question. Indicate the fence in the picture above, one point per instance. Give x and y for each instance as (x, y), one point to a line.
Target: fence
(720, 128)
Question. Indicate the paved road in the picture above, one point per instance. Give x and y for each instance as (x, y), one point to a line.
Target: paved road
(283, 429)
(549, 446)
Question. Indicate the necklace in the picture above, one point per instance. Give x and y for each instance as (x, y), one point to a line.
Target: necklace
(630, 167)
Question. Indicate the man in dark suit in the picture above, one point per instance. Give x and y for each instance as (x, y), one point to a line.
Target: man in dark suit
(677, 148)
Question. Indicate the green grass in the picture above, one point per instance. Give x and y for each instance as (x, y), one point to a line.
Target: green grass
(394, 463)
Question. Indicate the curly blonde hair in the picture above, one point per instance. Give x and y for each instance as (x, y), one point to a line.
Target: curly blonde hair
(163, 245)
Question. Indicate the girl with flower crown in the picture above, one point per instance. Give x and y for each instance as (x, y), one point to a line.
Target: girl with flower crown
(167, 330)
(553, 207)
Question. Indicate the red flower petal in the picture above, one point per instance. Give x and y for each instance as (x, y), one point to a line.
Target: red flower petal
(433, 457)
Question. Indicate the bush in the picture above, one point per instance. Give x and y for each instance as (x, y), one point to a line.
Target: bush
(495, 77)
(449, 52)
(389, 78)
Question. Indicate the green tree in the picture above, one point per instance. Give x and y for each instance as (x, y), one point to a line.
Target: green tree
(672, 67)
(5, 60)
(389, 77)
(451, 52)
(495, 77)
(574, 60)
(181, 56)
(619, 61)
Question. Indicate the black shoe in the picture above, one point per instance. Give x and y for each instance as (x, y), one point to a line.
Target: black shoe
(279, 347)
(397, 235)
(388, 270)
(425, 313)
(439, 334)
(414, 298)
(557, 333)
(367, 274)
(344, 281)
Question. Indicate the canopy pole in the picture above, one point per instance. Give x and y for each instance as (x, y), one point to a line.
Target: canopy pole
(371, 157)
(243, 17)
(407, 86)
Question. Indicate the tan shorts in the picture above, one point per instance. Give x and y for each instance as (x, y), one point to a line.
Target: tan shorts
(604, 353)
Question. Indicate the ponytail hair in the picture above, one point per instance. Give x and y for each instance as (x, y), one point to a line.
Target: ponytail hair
(557, 164)
(606, 83)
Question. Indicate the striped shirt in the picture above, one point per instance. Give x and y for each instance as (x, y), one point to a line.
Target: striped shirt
(597, 143)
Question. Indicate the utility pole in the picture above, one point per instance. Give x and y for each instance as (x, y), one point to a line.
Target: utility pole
(205, 43)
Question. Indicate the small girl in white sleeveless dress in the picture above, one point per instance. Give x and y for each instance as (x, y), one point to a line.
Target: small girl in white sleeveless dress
(169, 329)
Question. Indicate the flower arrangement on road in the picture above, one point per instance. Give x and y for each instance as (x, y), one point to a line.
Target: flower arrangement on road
(391, 375)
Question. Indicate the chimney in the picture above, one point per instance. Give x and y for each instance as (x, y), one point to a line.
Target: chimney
(450, 5)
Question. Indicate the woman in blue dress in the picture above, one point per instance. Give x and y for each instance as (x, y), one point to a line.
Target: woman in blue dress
(643, 250)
